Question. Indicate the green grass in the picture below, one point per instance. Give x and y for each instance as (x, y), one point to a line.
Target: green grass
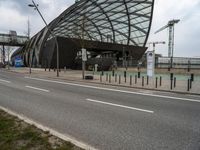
(17, 135)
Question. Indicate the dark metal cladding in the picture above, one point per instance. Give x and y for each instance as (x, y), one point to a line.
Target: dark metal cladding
(120, 22)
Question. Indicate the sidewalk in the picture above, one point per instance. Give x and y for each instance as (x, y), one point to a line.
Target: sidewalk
(181, 85)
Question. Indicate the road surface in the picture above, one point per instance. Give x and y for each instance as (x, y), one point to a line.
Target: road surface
(106, 118)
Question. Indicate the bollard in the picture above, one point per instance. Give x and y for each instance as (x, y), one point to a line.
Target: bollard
(49, 69)
(119, 79)
(113, 73)
(124, 73)
(142, 81)
(45, 66)
(109, 78)
(156, 82)
(188, 85)
(125, 76)
(147, 80)
(192, 77)
(160, 81)
(174, 82)
(116, 78)
(100, 78)
(135, 79)
(171, 78)
(139, 75)
(130, 80)
(54, 69)
(102, 73)
(106, 77)
(171, 84)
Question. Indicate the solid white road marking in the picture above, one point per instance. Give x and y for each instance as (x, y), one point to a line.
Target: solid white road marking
(115, 90)
(35, 88)
(6, 81)
(50, 130)
(122, 106)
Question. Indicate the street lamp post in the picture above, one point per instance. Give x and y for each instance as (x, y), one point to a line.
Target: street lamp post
(34, 5)
(30, 62)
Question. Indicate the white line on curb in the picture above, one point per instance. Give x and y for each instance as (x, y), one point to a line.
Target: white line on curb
(50, 130)
(1, 80)
(122, 106)
(35, 88)
(115, 90)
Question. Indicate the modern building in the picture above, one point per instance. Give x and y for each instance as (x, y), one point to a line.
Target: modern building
(110, 30)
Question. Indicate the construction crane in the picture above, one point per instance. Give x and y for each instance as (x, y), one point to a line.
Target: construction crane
(155, 43)
(170, 25)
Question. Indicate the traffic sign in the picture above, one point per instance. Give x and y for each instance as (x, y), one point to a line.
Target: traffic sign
(84, 54)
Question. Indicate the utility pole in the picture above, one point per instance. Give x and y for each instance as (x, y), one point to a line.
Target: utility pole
(29, 29)
(84, 51)
(35, 6)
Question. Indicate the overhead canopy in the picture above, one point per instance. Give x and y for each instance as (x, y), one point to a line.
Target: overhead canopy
(117, 21)
(124, 22)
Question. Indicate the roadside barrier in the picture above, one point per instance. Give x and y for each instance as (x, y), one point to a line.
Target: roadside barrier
(135, 79)
(174, 82)
(130, 80)
(156, 82)
(109, 78)
(142, 81)
(188, 85)
(115, 78)
(160, 81)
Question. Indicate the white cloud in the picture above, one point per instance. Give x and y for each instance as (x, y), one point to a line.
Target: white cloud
(12, 20)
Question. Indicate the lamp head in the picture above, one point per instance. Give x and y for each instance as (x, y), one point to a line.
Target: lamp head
(31, 5)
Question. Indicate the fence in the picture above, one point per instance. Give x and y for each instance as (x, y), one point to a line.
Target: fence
(178, 62)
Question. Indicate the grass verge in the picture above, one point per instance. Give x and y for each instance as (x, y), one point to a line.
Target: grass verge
(18, 135)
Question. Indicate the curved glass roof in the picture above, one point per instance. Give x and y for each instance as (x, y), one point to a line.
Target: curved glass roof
(115, 21)
(125, 22)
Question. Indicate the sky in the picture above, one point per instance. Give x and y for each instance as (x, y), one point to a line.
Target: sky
(14, 15)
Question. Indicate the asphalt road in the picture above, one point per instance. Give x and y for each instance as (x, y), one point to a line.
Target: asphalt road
(105, 117)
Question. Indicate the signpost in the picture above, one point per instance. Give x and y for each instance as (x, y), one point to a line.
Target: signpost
(84, 59)
(150, 64)
(18, 62)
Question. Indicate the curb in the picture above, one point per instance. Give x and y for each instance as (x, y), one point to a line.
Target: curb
(125, 86)
(50, 130)
(114, 85)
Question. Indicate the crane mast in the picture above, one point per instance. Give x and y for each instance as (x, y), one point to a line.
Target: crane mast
(170, 25)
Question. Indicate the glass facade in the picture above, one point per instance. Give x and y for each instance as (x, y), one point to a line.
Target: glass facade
(117, 21)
